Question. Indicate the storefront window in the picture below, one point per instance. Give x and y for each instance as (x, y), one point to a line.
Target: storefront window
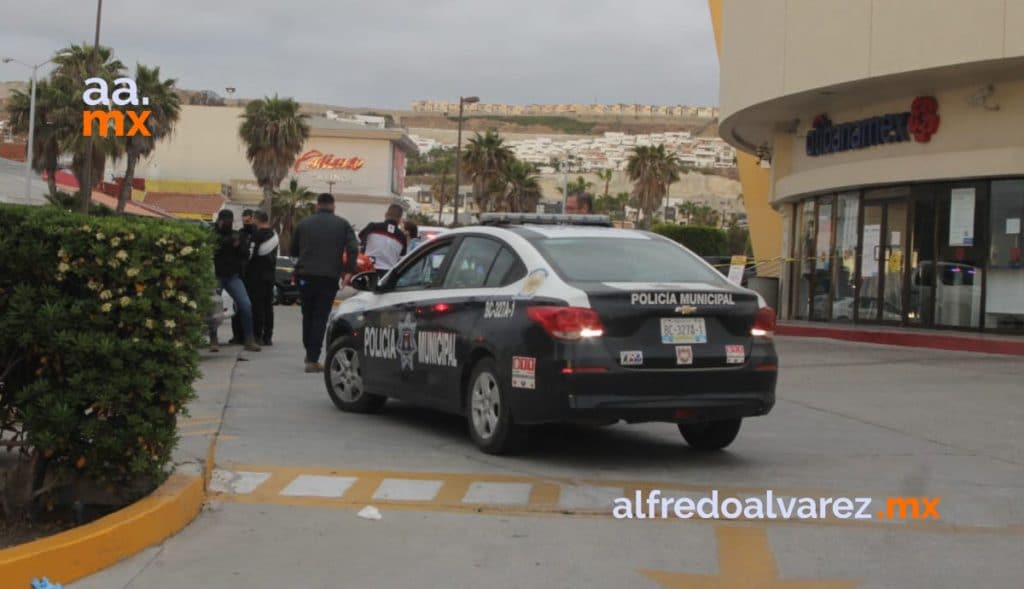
(844, 260)
(805, 259)
(822, 282)
(958, 271)
(1004, 299)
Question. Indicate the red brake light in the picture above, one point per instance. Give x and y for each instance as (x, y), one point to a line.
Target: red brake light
(567, 323)
(764, 323)
(442, 307)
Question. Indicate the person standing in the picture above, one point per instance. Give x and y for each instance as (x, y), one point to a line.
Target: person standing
(259, 278)
(248, 227)
(385, 243)
(412, 233)
(228, 260)
(319, 243)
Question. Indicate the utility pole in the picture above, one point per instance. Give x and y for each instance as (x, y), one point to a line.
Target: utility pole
(86, 187)
(458, 153)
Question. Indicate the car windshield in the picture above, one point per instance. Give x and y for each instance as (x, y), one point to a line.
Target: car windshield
(609, 259)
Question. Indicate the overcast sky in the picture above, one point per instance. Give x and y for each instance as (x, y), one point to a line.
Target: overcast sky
(390, 52)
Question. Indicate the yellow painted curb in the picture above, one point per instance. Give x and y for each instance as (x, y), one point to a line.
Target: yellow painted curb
(87, 549)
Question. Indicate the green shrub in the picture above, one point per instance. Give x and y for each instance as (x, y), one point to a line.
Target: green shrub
(100, 324)
(704, 241)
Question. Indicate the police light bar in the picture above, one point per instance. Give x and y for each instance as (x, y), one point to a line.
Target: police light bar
(544, 219)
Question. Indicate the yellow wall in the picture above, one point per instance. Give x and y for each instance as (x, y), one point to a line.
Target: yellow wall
(765, 223)
(183, 186)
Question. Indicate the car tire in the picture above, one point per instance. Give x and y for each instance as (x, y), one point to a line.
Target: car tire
(710, 435)
(489, 414)
(344, 379)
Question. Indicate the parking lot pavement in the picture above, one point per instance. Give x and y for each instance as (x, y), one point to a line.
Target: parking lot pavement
(852, 419)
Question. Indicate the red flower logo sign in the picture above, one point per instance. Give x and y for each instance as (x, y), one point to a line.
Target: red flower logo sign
(924, 118)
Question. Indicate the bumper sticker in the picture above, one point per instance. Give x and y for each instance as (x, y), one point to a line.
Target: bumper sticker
(534, 280)
(684, 355)
(524, 372)
(631, 358)
(735, 354)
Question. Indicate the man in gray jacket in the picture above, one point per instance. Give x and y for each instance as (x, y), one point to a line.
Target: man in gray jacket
(318, 243)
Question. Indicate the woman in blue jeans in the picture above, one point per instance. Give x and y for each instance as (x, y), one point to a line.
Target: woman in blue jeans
(228, 259)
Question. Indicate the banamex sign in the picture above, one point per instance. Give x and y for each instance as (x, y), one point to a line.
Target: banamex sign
(920, 123)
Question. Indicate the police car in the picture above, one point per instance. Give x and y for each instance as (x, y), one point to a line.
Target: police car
(530, 319)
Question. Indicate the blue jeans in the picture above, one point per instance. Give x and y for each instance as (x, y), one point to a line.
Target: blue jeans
(236, 289)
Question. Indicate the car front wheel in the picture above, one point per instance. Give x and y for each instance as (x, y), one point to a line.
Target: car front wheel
(488, 412)
(710, 435)
(344, 379)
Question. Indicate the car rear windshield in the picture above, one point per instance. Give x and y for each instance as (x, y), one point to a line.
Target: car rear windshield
(607, 259)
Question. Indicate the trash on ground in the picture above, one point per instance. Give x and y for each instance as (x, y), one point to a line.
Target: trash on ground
(370, 512)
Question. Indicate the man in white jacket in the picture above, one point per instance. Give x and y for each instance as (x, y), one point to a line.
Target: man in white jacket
(259, 275)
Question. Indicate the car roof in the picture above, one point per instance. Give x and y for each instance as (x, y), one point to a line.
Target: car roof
(538, 231)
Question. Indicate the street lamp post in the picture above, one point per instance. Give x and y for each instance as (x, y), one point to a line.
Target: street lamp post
(565, 185)
(463, 100)
(31, 122)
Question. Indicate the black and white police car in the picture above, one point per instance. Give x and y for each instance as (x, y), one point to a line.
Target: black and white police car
(530, 319)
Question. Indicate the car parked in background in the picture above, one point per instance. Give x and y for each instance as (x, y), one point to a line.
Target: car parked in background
(286, 288)
(428, 233)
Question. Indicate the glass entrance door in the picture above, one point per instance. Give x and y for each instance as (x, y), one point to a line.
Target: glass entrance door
(883, 257)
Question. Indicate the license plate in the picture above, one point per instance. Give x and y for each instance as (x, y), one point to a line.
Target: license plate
(690, 330)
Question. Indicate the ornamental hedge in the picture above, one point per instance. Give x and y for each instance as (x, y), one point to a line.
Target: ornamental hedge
(101, 320)
(704, 241)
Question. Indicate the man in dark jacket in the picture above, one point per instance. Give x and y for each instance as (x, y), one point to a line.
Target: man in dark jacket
(318, 243)
(228, 260)
(259, 278)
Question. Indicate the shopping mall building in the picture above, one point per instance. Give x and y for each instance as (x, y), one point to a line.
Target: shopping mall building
(885, 146)
(364, 167)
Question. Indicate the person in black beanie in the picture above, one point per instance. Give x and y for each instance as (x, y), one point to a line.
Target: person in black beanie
(228, 261)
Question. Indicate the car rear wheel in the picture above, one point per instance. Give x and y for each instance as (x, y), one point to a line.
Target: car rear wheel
(488, 413)
(344, 379)
(710, 435)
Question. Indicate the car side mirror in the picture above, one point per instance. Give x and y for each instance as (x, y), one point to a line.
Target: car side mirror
(365, 281)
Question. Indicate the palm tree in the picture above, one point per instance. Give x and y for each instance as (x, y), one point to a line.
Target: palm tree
(165, 107)
(613, 204)
(652, 169)
(52, 128)
(75, 64)
(606, 177)
(577, 186)
(290, 206)
(274, 131)
(523, 187)
(440, 189)
(486, 158)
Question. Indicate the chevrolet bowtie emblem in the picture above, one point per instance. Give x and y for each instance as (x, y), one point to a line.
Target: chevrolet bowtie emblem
(686, 309)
